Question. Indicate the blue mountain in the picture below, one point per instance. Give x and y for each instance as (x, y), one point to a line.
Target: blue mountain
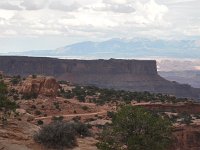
(120, 48)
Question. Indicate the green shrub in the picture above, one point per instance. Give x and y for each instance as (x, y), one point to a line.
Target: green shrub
(57, 135)
(60, 135)
(37, 112)
(63, 82)
(81, 129)
(6, 106)
(40, 122)
(81, 98)
(56, 104)
(136, 129)
(110, 114)
(28, 96)
(186, 118)
(57, 118)
(14, 81)
(76, 119)
(33, 107)
(85, 107)
(34, 76)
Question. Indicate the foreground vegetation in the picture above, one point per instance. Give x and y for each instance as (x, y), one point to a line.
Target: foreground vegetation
(60, 134)
(134, 128)
(6, 106)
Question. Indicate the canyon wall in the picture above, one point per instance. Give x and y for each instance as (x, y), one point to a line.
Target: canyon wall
(133, 75)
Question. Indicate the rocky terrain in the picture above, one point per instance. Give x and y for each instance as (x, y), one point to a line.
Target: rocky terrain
(131, 75)
(42, 98)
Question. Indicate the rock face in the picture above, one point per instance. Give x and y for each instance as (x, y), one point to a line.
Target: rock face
(17, 135)
(40, 85)
(187, 137)
(134, 75)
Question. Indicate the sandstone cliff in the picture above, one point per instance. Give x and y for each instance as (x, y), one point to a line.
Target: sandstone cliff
(40, 85)
(134, 75)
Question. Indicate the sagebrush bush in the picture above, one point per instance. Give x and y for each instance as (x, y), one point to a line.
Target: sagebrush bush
(57, 135)
(81, 129)
(40, 122)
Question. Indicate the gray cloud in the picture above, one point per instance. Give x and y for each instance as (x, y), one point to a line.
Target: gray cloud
(58, 5)
(9, 6)
(34, 4)
(100, 18)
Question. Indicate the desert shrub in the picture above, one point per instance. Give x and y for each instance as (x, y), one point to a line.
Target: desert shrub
(57, 135)
(85, 107)
(135, 128)
(197, 116)
(56, 104)
(6, 106)
(81, 98)
(15, 80)
(110, 114)
(37, 112)
(16, 97)
(34, 76)
(81, 129)
(28, 96)
(66, 94)
(102, 96)
(63, 82)
(186, 118)
(76, 119)
(57, 118)
(33, 107)
(173, 118)
(40, 122)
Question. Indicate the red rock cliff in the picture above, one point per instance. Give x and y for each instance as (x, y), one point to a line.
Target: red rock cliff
(134, 75)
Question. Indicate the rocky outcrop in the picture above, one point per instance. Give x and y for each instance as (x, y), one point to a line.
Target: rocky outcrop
(190, 108)
(134, 75)
(186, 137)
(40, 85)
(17, 135)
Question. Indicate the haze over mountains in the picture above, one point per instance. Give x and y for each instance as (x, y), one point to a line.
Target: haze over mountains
(121, 48)
(175, 58)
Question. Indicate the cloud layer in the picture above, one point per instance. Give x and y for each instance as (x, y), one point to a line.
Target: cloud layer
(100, 19)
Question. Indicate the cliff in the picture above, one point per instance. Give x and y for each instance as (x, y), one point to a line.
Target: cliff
(134, 75)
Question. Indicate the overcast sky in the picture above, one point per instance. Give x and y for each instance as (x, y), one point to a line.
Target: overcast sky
(48, 24)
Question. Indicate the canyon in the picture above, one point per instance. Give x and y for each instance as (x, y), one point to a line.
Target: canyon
(132, 75)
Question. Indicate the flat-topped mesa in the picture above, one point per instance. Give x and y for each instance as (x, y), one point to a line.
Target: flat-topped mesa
(50, 66)
(134, 75)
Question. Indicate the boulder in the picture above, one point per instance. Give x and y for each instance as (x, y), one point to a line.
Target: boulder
(40, 85)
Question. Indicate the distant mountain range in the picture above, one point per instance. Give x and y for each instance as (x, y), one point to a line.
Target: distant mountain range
(120, 48)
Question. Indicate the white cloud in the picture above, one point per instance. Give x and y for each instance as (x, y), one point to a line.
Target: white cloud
(34, 4)
(150, 12)
(116, 1)
(59, 5)
(114, 7)
(100, 18)
(9, 6)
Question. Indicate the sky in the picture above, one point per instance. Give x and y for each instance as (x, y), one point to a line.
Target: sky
(49, 24)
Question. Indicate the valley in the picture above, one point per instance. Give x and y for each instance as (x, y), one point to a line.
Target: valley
(42, 100)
